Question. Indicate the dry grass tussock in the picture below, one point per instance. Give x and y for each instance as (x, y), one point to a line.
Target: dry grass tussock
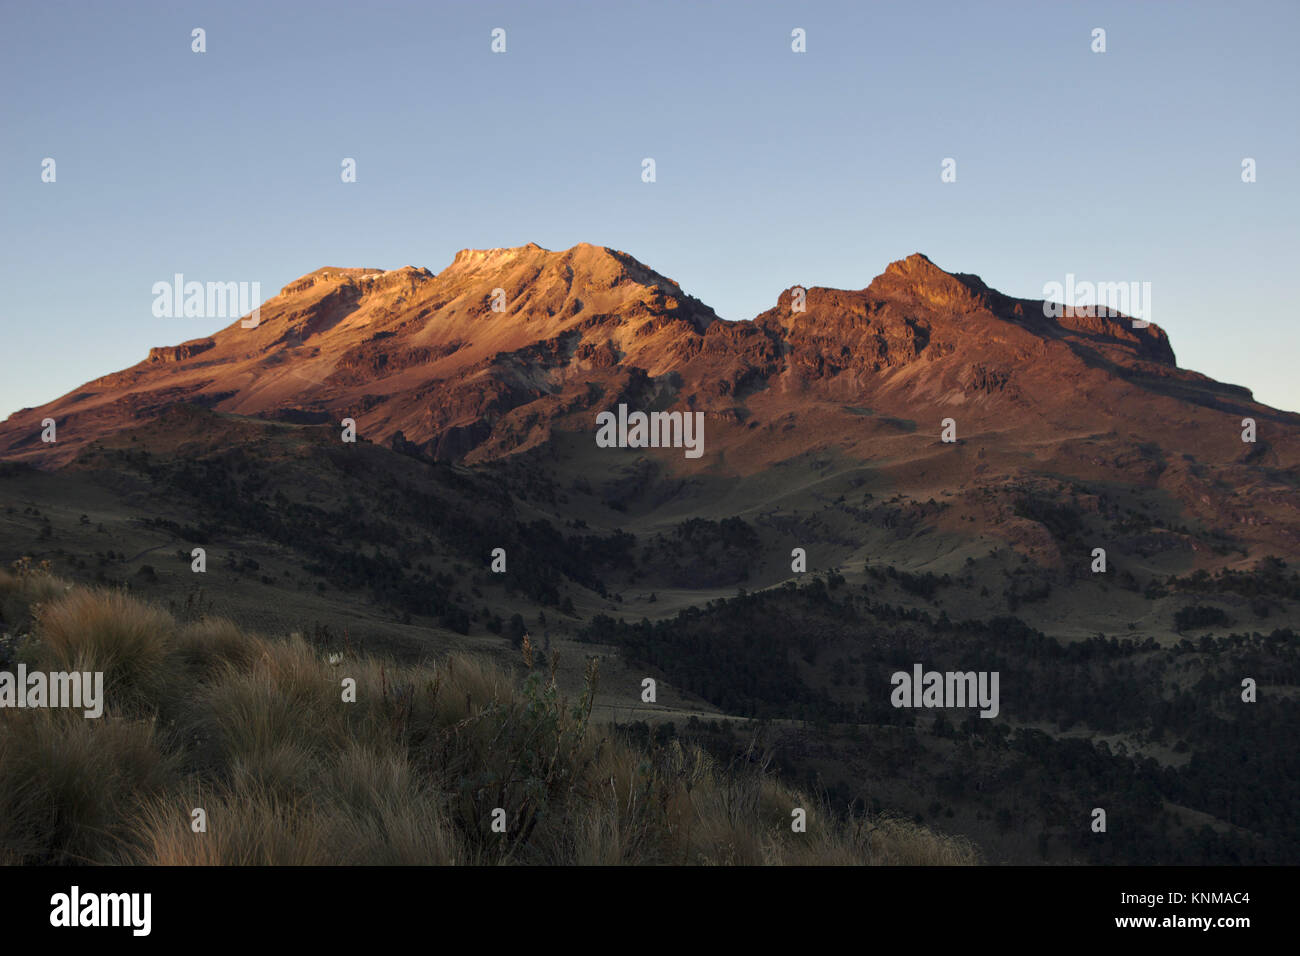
(255, 732)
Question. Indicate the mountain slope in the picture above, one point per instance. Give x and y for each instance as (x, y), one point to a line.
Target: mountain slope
(508, 350)
(822, 437)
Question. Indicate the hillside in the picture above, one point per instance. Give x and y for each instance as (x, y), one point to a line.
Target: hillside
(867, 377)
(826, 537)
(225, 748)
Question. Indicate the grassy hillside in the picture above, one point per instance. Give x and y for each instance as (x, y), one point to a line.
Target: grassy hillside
(255, 731)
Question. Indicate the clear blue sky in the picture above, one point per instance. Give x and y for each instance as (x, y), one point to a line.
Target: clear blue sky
(774, 168)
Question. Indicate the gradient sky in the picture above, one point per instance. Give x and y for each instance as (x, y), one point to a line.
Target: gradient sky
(774, 168)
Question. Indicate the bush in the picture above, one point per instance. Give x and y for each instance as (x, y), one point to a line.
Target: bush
(100, 630)
(1199, 615)
(23, 589)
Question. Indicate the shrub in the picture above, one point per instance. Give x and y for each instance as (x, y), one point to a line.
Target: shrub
(102, 630)
(1199, 615)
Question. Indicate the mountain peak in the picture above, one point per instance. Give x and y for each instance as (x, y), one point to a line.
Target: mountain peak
(584, 265)
(916, 262)
(918, 277)
(475, 258)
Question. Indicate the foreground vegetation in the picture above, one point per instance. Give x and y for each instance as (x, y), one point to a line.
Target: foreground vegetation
(255, 732)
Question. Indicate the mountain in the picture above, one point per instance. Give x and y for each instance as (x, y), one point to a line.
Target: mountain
(427, 363)
(401, 350)
(1096, 532)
